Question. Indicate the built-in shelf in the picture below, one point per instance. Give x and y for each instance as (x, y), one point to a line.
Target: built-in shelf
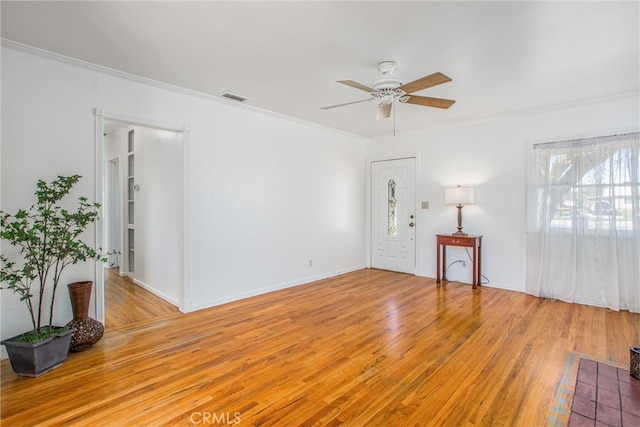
(131, 200)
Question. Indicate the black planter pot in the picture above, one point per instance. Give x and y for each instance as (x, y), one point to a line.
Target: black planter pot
(33, 360)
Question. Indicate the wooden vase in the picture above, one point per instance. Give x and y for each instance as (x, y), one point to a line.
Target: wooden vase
(88, 330)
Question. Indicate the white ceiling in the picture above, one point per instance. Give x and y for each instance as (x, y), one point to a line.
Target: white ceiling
(503, 57)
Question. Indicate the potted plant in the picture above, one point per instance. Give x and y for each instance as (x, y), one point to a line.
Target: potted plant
(48, 239)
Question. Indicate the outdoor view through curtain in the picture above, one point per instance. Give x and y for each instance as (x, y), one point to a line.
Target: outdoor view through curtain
(583, 221)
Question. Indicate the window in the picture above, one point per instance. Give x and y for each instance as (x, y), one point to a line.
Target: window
(583, 184)
(392, 219)
(584, 221)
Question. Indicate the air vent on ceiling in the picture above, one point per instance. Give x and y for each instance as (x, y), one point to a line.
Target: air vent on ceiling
(234, 97)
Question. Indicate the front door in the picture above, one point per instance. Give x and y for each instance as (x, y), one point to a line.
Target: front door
(393, 222)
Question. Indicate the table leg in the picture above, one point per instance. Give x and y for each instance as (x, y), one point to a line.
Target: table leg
(444, 262)
(479, 261)
(438, 262)
(474, 267)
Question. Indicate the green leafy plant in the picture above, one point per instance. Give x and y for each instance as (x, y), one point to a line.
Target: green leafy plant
(49, 240)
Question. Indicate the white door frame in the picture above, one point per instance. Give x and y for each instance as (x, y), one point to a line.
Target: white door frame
(369, 234)
(184, 294)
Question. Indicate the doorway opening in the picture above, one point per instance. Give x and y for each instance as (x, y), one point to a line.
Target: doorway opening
(140, 183)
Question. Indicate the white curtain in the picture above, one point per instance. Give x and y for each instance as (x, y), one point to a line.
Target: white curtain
(583, 221)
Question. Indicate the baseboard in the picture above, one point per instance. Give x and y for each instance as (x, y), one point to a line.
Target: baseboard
(156, 292)
(236, 297)
(503, 286)
(488, 285)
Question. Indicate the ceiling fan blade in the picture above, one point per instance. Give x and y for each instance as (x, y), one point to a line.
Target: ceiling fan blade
(384, 110)
(425, 82)
(357, 85)
(346, 103)
(429, 102)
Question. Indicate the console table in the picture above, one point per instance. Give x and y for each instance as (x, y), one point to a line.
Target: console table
(444, 240)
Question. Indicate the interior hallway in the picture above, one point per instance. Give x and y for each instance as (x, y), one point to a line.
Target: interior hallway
(128, 304)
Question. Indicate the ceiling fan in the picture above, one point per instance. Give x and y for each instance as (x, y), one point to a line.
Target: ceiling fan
(389, 89)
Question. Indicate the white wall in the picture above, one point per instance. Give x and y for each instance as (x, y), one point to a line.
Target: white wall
(265, 194)
(156, 212)
(492, 157)
(304, 200)
(114, 149)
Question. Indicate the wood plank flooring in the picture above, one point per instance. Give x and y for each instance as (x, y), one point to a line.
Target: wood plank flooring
(368, 348)
(129, 304)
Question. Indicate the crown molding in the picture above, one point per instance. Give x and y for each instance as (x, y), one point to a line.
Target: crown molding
(7, 43)
(519, 113)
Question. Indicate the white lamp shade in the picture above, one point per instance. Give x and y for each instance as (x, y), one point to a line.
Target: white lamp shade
(459, 195)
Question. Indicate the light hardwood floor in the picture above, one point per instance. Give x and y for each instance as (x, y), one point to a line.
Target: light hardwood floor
(127, 304)
(368, 348)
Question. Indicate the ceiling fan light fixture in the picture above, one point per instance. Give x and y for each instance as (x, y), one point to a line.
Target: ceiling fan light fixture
(386, 99)
(384, 110)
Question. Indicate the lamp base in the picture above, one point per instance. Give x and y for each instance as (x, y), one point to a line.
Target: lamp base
(459, 232)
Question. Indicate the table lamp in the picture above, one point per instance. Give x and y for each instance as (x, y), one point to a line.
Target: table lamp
(459, 196)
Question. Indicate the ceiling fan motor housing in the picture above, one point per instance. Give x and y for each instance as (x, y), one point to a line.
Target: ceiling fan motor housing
(387, 83)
